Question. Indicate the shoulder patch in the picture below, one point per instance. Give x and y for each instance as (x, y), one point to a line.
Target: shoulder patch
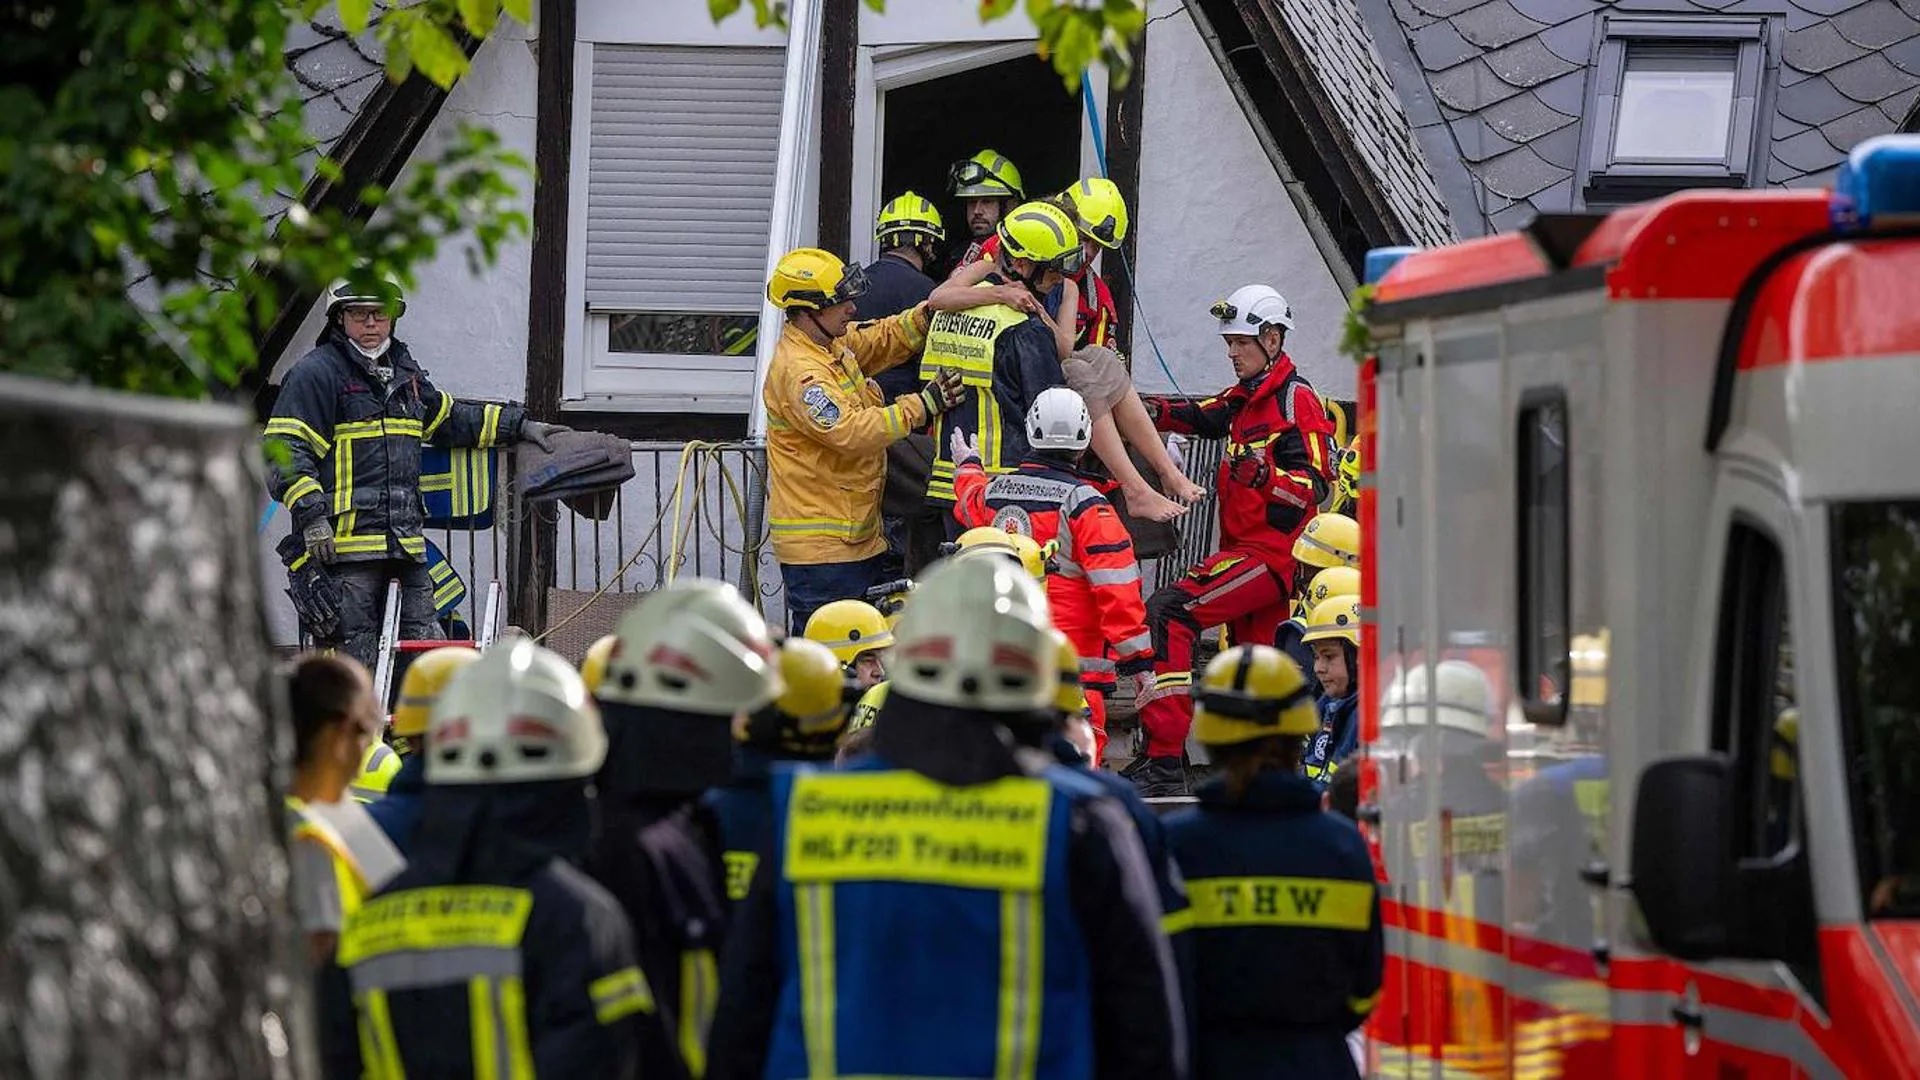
(1013, 520)
(820, 406)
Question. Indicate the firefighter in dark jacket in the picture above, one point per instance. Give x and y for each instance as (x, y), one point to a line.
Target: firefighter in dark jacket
(692, 660)
(1008, 356)
(802, 725)
(352, 415)
(1285, 918)
(951, 905)
(491, 955)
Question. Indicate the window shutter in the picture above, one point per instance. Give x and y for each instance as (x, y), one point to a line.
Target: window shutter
(680, 175)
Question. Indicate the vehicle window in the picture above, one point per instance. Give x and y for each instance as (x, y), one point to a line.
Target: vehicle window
(1876, 594)
(1543, 669)
(1755, 719)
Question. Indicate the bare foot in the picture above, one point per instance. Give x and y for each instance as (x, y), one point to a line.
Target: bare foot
(1183, 489)
(1144, 502)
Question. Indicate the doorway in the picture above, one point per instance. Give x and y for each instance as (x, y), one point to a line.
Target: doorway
(933, 106)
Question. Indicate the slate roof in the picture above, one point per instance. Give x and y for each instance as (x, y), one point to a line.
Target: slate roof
(1495, 89)
(336, 73)
(1354, 86)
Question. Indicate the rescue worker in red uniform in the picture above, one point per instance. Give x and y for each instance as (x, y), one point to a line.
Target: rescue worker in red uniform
(1094, 590)
(1277, 467)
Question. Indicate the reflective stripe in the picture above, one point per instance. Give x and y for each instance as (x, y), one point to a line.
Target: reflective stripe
(413, 545)
(1081, 496)
(299, 489)
(343, 477)
(844, 530)
(1096, 666)
(699, 990)
(489, 426)
(1364, 1005)
(1128, 576)
(479, 926)
(359, 545)
(1022, 487)
(813, 921)
(440, 415)
(620, 994)
(513, 1012)
(1018, 1046)
(290, 427)
(1177, 922)
(379, 1051)
(1328, 903)
(481, 1029)
(1319, 545)
(1138, 643)
(428, 968)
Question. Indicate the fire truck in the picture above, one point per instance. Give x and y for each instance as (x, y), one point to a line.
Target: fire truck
(1641, 680)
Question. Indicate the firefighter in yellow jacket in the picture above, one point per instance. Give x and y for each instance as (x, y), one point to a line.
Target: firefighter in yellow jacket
(827, 425)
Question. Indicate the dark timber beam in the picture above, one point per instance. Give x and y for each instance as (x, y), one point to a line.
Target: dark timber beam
(839, 53)
(1125, 120)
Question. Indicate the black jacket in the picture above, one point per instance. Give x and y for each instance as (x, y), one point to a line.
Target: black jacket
(893, 286)
(485, 857)
(353, 445)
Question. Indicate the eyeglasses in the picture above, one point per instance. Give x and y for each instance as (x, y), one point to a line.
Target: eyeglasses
(364, 315)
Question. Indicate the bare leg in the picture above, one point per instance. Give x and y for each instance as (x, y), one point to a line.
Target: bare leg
(1137, 427)
(1142, 500)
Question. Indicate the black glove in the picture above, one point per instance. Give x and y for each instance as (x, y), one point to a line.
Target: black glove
(540, 433)
(1249, 469)
(943, 393)
(318, 538)
(316, 598)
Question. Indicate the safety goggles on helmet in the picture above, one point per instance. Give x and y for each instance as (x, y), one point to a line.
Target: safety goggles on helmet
(1240, 705)
(1227, 313)
(853, 285)
(973, 174)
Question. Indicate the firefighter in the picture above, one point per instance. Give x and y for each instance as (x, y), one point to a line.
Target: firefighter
(858, 636)
(1345, 498)
(491, 955)
(338, 856)
(827, 427)
(858, 738)
(948, 905)
(1277, 467)
(348, 423)
(1333, 633)
(1330, 540)
(398, 815)
(989, 540)
(1333, 581)
(1005, 353)
(803, 724)
(377, 768)
(593, 666)
(1094, 592)
(987, 185)
(1276, 885)
(693, 659)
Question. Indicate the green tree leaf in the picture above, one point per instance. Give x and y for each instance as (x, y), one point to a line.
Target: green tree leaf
(720, 9)
(479, 16)
(354, 15)
(519, 10)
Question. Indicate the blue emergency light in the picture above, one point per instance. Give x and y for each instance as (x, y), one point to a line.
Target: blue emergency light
(1879, 185)
(1381, 260)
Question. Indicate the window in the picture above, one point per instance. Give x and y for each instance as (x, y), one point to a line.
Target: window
(682, 144)
(1674, 104)
(1755, 719)
(1876, 594)
(1543, 644)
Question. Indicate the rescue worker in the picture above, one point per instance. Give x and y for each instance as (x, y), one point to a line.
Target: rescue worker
(827, 426)
(1333, 581)
(1094, 592)
(492, 955)
(351, 417)
(948, 905)
(1333, 633)
(1005, 353)
(693, 659)
(338, 857)
(1277, 467)
(858, 636)
(1330, 540)
(858, 738)
(804, 725)
(1277, 885)
(988, 186)
(377, 768)
(398, 814)
(989, 540)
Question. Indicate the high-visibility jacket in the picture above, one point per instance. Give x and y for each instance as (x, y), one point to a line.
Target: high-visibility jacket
(1285, 924)
(827, 430)
(340, 857)
(1277, 417)
(353, 445)
(1096, 579)
(1094, 322)
(1008, 357)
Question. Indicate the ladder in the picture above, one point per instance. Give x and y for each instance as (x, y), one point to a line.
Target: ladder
(392, 646)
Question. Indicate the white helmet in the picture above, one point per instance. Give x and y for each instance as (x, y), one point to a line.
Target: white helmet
(1058, 420)
(1462, 698)
(364, 291)
(977, 636)
(1250, 309)
(695, 646)
(518, 714)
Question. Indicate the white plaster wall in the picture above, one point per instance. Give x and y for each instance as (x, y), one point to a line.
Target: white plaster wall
(469, 333)
(1213, 217)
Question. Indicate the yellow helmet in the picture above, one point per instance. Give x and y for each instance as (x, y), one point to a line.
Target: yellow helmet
(1042, 233)
(1252, 692)
(868, 708)
(1099, 210)
(808, 279)
(593, 667)
(1336, 617)
(1333, 581)
(1070, 699)
(1342, 423)
(807, 718)
(985, 175)
(986, 539)
(376, 773)
(1329, 540)
(1350, 469)
(849, 628)
(910, 217)
(421, 686)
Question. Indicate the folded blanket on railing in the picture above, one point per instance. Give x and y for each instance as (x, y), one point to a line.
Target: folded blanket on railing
(584, 468)
(457, 486)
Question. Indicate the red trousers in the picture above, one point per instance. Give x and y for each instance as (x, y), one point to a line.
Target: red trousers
(1245, 591)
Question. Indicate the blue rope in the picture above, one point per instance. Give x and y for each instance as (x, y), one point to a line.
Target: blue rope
(1126, 266)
